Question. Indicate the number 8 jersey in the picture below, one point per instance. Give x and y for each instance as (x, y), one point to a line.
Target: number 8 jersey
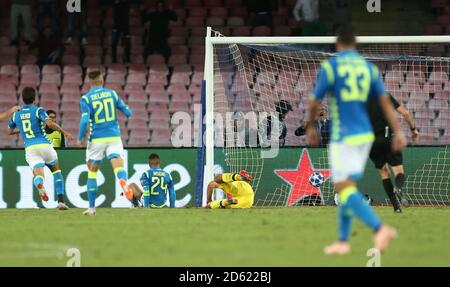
(30, 120)
(99, 107)
(351, 81)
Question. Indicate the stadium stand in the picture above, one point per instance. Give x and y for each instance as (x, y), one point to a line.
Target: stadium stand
(156, 89)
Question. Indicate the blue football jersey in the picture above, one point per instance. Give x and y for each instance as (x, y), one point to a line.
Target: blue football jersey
(350, 81)
(157, 183)
(30, 120)
(99, 108)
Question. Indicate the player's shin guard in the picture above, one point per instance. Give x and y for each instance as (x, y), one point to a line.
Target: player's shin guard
(389, 188)
(121, 174)
(355, 202)
(92, 188)
(58, 183)
(400, 180)
(38, 181)
(345, 222)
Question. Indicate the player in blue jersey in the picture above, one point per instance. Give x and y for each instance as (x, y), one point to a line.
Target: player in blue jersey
(99, 112)
(350, 81)
(30, 121)
(157, 184)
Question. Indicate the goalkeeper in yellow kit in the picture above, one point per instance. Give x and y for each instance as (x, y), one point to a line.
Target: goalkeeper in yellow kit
(239, 192)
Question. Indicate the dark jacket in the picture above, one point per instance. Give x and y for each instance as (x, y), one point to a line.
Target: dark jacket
(159, 22)
(324, 127)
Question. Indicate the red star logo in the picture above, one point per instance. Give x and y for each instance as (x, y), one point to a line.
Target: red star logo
(299, 178)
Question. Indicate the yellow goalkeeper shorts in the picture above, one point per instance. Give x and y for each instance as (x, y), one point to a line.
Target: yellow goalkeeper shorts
(244, 201)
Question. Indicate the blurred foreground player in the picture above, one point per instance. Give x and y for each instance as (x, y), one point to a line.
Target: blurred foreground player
(157, 183)
(99, 112)
(239, 192)
(31, 120)
(351, 80)
(382, 155)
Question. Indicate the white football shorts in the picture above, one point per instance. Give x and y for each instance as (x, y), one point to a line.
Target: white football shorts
(40, 156)
(96, 152)
(348, 161)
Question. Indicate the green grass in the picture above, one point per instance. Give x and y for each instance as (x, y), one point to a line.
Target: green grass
(200, 237)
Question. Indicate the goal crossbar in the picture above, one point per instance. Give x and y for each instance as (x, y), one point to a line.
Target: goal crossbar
(329, 40)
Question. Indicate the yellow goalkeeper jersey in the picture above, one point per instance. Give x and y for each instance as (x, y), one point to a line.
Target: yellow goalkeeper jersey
(237, 188)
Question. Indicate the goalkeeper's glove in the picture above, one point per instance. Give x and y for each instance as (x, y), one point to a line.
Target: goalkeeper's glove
(244, 175)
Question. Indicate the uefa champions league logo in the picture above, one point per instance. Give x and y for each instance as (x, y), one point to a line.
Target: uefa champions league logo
(373, 6)
(73, 6)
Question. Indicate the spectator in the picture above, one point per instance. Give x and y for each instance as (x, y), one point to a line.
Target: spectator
(261, 12)
(282, 107)
(121, 29)
(50, 48)
(323, 125)
(21, 8)
(72, 21)
(48, 8)
(156, 37)
(244, 128)
(306, 12)
(342, 14)
(56, 137)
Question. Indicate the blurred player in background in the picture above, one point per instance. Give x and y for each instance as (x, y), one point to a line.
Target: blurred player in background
(31, 121)
(99, 110)
(57, 138)
(239, 192)
(157, 184)
(351, 80)
(382, 155)
(7, 114)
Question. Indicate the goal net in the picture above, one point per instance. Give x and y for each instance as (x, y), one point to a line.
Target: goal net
(260, 92)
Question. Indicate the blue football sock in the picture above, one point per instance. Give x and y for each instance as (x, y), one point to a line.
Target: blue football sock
(355, 202)
(345, 222)
(58, 182)
(92, 188)
(121, 173)
(38, 180)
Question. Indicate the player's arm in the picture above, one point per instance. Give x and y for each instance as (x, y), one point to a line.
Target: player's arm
(84, 121)
(230, 177)
(42, 115)
(146, 185)
(325, 79)
(122, 106)
(13, 132)
(7, 114)
(12, 125)
(211, 186)
(54, 126)
(409, 120)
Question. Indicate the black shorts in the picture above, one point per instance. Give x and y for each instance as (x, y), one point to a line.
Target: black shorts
(381, 154)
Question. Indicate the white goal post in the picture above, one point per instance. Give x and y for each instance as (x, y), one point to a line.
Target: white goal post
(395, 45)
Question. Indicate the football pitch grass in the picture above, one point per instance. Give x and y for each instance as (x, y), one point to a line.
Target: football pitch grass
(199, 237)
